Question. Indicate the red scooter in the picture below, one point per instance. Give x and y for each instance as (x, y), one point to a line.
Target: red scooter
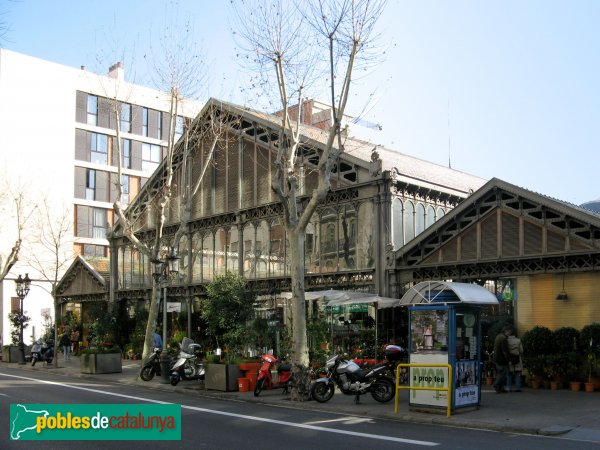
(264, 379)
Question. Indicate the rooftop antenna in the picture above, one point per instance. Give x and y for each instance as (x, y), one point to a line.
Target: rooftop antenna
(449, 163)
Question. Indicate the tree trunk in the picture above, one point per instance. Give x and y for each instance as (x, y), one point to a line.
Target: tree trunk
(300, 359)
(151, 324)
(299, 342)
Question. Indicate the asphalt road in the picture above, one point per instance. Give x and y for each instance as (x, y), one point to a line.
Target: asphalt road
(225, 424)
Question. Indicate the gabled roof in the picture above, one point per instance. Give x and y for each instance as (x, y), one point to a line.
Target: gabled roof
(409, 167)
(359, 153)
(85, 277)
(559, 219)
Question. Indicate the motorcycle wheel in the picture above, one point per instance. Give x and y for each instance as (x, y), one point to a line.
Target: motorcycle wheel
(383, 390)
(147, 372)
(259, 387)
(322, 392)
(174, 379)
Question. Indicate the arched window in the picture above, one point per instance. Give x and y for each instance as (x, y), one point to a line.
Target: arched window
(233, 249)
(419, 219)
(277, 248)
(430, 216)
(397, 224)
(440, 214)
(409, 221)
(208, 257)
(261, 249)
(184, 259)
(199, 258)
(346, 247)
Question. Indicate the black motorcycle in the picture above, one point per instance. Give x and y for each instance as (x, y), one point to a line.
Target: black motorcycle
(350, 379)
(152, 367)
(395, 355)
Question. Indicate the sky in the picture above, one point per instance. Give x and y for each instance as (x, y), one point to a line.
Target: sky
(495, 88)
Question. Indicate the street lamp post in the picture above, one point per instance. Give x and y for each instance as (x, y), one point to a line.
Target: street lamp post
(23, 285)
(162, 271)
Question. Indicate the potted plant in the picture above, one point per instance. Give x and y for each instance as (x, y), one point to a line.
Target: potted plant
(102, 355)
(589, 339)
(538, 344)
(227, 311)
(563, 363)
(101, 360)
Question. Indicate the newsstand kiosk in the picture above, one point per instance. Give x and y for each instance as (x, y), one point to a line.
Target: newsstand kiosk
(444, 328)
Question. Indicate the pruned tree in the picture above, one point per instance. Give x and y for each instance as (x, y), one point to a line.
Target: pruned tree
(178, 71)
(293, 50)
(52, 249)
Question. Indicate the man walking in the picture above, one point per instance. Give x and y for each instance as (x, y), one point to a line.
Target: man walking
(501, 359)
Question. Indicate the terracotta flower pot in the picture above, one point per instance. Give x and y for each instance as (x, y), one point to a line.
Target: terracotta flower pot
(575, 385)
(589, 387)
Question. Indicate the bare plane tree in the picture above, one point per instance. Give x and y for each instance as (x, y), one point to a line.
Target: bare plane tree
(292, 50)
(178, 71)
(52, 250)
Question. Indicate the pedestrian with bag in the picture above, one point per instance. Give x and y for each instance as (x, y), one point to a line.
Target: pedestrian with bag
(515, 352)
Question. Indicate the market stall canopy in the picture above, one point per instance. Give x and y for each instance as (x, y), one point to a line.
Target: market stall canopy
(448, 292)
(339, 298)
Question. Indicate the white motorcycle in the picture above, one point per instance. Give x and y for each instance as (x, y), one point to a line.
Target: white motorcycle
(188, 365)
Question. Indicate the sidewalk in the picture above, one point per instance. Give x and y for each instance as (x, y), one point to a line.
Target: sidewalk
(534, 411)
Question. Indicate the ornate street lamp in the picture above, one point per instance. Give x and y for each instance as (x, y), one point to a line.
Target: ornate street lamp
(162, 271)
(23, 285)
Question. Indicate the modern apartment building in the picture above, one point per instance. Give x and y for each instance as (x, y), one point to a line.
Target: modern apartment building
(58, 142)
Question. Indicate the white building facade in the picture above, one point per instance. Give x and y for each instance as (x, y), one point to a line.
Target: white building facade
(57, 148)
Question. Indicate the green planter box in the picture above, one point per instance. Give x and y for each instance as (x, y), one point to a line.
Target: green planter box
(222, 377)
(101, 363)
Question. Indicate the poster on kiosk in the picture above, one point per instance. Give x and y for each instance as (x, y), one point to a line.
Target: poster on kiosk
(445, 330)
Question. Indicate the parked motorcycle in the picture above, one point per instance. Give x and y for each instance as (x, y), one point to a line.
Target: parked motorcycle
(152, 367)
(188, 365)
(352, 380)
(264, 379)
(42, 351)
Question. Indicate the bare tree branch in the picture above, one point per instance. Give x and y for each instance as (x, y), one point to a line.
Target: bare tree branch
(287, 45)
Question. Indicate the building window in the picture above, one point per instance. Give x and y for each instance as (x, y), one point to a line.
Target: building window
(94, 250)
(159, 131)
(90, 184)
(145, 122)
(126, 117)
(92, 110)
(99, 223)
(179, 122)
(126, 149)
(99, 148)
(150, 157)
(125, 189)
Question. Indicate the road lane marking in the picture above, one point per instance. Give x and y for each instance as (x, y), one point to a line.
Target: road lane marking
(239, 416)
(348, 420)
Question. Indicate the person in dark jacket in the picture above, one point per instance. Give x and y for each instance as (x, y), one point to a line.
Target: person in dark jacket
(501, 359)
